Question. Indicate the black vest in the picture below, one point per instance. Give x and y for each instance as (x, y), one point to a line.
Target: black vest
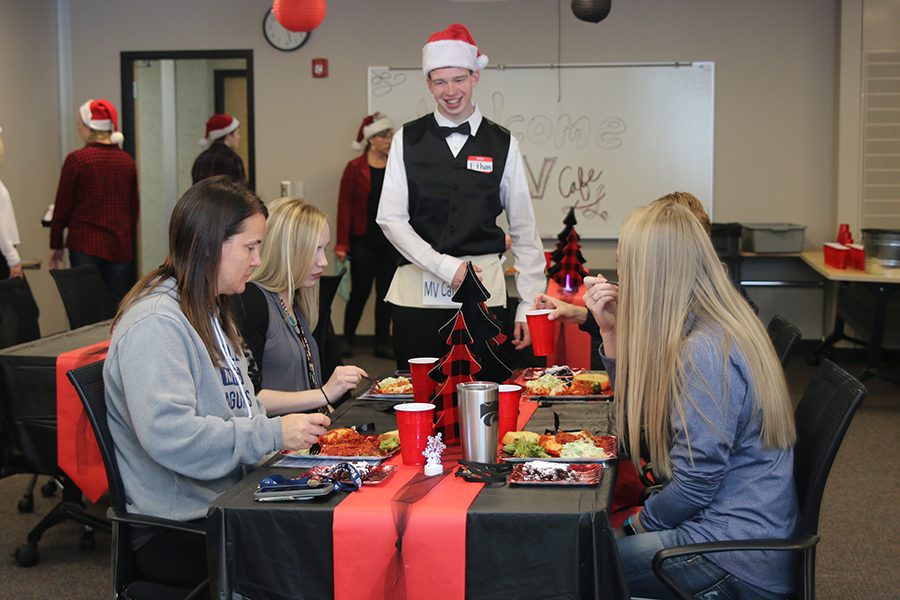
(451, 207)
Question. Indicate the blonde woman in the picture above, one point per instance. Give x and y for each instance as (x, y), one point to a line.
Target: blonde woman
(280, 308)
(698, 374)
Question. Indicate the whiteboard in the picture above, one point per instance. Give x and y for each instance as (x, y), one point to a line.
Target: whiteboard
(603, 138)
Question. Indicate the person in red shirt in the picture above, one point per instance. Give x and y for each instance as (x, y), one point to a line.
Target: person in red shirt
(359, 236)
(97, 201)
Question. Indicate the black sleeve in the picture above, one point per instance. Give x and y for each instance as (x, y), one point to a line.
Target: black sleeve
(590, 325)
(251, 314)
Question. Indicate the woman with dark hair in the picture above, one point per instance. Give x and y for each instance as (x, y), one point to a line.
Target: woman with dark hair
(182, 413)
(373, 258)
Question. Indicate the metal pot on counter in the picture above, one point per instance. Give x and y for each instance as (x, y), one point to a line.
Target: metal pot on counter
(882, 249)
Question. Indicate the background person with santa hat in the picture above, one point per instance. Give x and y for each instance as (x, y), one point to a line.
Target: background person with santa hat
(97, 201)
(440, 208)
(221, 141)
(373, 257)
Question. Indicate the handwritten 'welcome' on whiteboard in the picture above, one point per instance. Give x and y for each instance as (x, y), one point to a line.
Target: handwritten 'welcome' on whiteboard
(603, 138)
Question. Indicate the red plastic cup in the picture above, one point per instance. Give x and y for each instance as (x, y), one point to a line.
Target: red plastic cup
(542, 331)
(415, 422)
(510, 394)
(423, 385)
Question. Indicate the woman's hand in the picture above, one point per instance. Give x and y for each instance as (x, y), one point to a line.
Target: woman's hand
(565, 312)
(343, 380)
(602, 298)
(300, 431)
(340, 254)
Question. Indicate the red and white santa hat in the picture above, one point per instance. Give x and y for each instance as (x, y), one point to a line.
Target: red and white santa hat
(218, 126)
(372, 124)
(101, 115)
(452, 47)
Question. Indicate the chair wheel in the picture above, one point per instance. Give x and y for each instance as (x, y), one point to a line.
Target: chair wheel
(87, 541)
(26, 504)
(27, 555)
(49, 488)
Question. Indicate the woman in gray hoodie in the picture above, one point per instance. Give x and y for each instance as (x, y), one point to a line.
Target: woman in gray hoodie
(182, 411)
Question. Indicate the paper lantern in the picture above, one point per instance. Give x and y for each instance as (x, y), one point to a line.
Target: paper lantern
(299, 15)
(592, 11)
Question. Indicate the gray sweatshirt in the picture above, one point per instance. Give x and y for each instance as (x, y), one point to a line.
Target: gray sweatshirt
(182, 427)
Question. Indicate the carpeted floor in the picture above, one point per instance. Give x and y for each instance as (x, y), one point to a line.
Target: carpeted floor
(857, 557)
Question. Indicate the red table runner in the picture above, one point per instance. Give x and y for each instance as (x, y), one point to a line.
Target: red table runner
(573, 346)
(77, 451)
(406, 538)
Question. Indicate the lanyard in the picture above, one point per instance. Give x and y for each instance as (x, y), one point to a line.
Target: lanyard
(224, 347)
(292, 321)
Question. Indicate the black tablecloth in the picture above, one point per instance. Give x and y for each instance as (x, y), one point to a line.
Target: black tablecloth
(521, 542)
(28, 399)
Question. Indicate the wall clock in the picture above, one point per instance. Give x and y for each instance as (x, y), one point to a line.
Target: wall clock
(279, 37)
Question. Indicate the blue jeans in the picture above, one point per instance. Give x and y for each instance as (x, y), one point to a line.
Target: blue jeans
(117, 276)
(695, 573)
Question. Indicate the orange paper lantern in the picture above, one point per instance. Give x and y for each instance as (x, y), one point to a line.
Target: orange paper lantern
(299, 15)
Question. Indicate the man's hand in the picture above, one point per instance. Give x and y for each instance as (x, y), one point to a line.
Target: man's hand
(461, 274)
(521, 335)
(565, 312)
(341, 254)
(16, 271)
(55, 259)
(300, 431)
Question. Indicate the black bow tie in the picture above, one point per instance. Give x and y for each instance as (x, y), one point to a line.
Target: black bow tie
(464, 129)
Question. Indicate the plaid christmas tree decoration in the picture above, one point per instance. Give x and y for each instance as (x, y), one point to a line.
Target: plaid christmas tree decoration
(457, 366)
(567, 267)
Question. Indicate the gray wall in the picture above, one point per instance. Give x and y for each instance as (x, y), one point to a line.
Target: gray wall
(776, 82)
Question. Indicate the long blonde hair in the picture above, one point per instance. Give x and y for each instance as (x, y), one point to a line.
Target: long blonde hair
(669, 272)
(292, 237)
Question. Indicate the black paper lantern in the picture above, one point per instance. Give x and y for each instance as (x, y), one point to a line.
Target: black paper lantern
(592, 11)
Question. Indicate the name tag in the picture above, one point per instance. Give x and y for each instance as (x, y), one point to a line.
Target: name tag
(482, 164)
(437, 292)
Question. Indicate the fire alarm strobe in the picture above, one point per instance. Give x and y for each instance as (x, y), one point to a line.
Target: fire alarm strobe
(320, 67)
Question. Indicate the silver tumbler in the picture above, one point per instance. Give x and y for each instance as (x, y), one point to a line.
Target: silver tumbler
(478, 411)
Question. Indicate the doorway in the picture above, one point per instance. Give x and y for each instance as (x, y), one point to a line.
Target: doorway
(167, 96)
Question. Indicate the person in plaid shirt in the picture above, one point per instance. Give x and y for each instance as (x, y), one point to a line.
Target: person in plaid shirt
(97, 201)
(220, 157)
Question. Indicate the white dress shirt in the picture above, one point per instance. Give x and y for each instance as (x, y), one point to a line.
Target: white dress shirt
(393, 217)
(9, 232)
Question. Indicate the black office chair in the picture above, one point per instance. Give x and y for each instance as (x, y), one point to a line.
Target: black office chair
(84, 294)
(784, 336)
(822, 418)
(328, 342)
(127, 581)
(19, 324)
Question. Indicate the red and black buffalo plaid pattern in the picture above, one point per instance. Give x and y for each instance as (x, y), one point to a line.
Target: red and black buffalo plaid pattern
(97, 202)
(569, 261)
(458, 366)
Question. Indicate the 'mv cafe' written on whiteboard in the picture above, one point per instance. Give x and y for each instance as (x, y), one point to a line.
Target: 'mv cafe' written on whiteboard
(602, 138)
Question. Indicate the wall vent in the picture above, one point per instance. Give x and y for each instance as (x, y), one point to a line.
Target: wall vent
(881, 141)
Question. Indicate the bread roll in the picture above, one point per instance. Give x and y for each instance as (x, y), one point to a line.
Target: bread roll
(594, 377)
(511, 436)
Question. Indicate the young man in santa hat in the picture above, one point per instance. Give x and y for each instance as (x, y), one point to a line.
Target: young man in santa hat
(449, 176)
(97, 201)
(221, 141)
